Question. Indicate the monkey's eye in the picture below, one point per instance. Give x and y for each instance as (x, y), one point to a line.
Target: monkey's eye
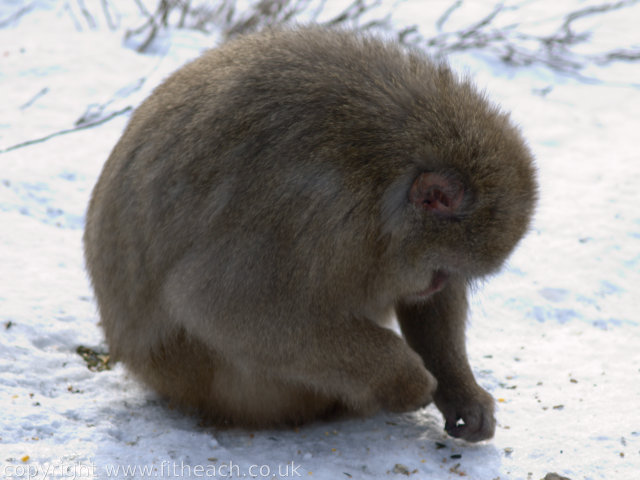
(436, 193)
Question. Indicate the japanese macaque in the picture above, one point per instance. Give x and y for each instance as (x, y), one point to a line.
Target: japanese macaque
(271, 207)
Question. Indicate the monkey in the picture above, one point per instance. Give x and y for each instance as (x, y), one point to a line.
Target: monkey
(275, 203)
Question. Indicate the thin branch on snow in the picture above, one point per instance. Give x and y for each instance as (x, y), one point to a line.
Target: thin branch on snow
(447, 13)
(87, 15)
(94, 114)
(83, 126)
(15, 16)
(353, 12)
(33, 99)
(606, 7)
(266, 13)
(143, 9)
(74, 19)
(113, 18)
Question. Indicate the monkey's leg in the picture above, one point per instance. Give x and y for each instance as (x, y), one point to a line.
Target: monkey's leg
(336, 355)
(435, 329)
(354, 362)
(366, 366)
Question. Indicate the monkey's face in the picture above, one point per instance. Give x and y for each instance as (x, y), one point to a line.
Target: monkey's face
(467, 197)
(464, 223)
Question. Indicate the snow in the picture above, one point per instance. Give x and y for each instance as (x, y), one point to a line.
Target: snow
(555, 337)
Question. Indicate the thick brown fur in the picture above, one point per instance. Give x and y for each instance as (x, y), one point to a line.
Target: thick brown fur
(273, 203)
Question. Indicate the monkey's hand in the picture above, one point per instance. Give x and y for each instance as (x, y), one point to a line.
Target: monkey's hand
(468, 416)
(412, 386)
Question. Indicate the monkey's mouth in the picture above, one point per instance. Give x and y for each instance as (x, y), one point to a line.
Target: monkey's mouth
(438, 281)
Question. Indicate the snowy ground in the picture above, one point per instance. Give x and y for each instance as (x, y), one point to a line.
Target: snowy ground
(555, 337)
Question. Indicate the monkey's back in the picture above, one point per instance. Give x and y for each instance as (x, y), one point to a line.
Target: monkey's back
(255, 152)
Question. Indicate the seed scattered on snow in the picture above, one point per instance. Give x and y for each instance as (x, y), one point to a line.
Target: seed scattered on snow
(401, 469)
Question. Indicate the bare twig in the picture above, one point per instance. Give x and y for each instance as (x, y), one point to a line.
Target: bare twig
(406, 34)
(353, 11)
(15, 16)
(142, 8)
(87, 14)
(486, 21)
(74, 19)
(267, 13)
(69, 130)
(617, 55)
(447, 13)
(112, 22)
(33, 99)
(607, 7)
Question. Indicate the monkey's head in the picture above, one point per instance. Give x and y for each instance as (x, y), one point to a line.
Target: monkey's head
(451, 178)
(467, 190)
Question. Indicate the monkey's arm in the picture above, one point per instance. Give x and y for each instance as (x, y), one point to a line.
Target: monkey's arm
(435, 329)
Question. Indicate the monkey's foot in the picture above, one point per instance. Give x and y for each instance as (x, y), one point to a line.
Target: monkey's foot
(469, 418)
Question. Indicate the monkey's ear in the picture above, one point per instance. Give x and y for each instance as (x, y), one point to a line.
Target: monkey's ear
(436, 193)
